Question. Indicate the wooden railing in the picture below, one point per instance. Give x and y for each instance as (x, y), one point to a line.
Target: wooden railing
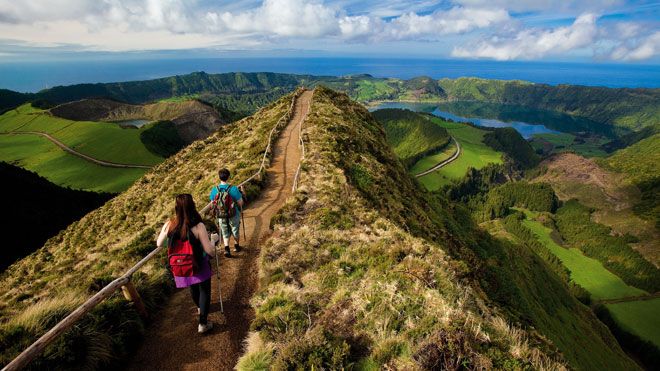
(301, 143)
(124, 282)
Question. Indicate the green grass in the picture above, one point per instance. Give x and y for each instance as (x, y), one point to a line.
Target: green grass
(564, 142)
(586, 272)
(474, 153)
(639, 317)
(38, 154)
(104, 141)
(432, 160)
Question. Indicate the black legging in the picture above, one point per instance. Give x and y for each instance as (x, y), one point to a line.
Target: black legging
(201, 295)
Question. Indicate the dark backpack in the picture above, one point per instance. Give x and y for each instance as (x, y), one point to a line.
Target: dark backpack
(181, 257)
(223, 204)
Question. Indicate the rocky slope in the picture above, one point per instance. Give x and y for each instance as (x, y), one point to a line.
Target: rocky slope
(193, 119)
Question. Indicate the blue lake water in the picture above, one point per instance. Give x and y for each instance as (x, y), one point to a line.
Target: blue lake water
(34, 76)
(527, 121)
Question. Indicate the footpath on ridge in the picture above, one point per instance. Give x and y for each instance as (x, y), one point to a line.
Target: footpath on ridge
(171, 341)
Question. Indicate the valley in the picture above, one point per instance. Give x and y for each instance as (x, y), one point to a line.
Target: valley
(539, 226)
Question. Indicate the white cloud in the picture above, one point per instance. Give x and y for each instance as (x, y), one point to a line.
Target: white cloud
(535, 43)
(538, 5)
(645, 48)
(108, 23)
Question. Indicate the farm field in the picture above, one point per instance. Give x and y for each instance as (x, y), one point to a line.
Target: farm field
(432, 160)
(100, 140)
(585, 271)
(474, 153)
(38, 154)
(639, 317)
(103, 141)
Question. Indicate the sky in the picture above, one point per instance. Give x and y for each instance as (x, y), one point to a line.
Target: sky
(614, 31)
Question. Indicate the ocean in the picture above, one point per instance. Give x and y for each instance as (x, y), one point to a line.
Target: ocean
(34, 76)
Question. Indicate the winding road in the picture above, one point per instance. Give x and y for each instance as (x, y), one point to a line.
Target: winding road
(172, 341)
(445, 162)
(76, 153)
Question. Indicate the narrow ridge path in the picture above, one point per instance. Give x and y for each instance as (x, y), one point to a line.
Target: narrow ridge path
(76, 153)
(171, 341)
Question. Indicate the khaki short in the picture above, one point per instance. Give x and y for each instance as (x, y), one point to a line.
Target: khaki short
(232, 229)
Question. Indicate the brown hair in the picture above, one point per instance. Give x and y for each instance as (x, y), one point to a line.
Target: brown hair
(186, 217)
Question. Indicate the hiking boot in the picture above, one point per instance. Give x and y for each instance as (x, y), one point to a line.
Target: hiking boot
(237, 248)
(227, 252)
(201, 329)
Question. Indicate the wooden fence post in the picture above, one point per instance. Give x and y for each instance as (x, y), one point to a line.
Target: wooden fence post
(131, 294)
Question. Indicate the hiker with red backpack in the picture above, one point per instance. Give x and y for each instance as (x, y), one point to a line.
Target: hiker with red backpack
(227, 206)
(188, 250)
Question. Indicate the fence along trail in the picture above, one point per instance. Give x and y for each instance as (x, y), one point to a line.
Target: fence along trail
(172, 342)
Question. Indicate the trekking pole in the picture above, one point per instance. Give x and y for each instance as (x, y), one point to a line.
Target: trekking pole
(243, 225)
(217, 266)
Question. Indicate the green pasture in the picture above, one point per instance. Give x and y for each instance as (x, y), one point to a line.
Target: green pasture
(101, 140)
(38, 154)
(474, 153)
(641, 317)
(564, 142)
(586, 272)
(432, 160)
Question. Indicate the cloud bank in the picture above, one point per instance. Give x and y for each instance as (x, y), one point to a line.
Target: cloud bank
(462, 28)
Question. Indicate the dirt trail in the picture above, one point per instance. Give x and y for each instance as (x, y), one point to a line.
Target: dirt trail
(76, 153)
(172, 342)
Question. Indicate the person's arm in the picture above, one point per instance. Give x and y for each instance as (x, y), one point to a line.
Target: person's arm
(238, 197)
(163, 234)
(202, 235)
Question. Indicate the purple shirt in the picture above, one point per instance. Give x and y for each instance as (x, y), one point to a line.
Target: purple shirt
(201, 276)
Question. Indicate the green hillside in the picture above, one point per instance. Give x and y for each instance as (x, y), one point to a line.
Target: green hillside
(411, 136)
(379, 287)
(624, 109)
(103, 141)
(474, 154)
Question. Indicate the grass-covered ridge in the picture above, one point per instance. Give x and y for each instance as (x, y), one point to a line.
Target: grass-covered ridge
(412, 136)
(359, 273)
(36, 291)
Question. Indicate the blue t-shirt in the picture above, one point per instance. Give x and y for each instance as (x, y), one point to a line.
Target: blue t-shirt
(234, 193)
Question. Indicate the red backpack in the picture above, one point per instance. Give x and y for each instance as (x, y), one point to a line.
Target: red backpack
(181, 257)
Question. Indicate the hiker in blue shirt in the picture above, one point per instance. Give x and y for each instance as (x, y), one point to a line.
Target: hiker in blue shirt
(228, 203)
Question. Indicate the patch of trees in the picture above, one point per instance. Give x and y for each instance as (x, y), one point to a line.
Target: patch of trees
(531, 196)
(479, 181)
(509, 141)
(233, 107)
(11, 99)
(574, 223)
(35, 209)
(162, 138)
